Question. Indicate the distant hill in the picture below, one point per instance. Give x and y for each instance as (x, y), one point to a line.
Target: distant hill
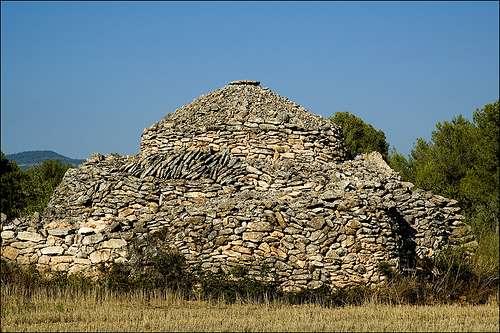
(27, 159)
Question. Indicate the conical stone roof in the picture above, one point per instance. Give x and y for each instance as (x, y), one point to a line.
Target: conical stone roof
(242, 101)
(248, 120)
(241, 177)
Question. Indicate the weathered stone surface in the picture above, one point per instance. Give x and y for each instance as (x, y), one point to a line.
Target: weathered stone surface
(86, 231)
(113, 243)
(253, 236)
(99, 256)
(52, 250)
(92, 239)
(10, 253)
(59, 232)
(7, 234)
(241, 177)
(60, 259)
(259, 226)
(22, 245)
(30, 236)
(317, 222)
(280, 219)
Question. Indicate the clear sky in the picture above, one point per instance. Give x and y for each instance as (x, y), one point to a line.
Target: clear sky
(79, 78)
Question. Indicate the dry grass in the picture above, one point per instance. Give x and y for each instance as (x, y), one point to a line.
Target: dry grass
(133, 312)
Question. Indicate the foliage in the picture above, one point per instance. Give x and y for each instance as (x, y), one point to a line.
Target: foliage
(401, 164)
(360, 137)
(461, 162)
(236, 286)
(457, 280)
(12, 197)
(41, 182)
(28, 191)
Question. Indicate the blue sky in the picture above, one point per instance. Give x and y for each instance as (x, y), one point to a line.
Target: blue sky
(79, 78)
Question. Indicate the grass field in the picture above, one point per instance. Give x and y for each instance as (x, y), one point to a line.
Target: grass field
(168, 312)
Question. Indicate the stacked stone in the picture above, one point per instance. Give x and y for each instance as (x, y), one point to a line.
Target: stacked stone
(249, 122)
(306, 214)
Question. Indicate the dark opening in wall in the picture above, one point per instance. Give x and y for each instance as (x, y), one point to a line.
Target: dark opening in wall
(406, 243)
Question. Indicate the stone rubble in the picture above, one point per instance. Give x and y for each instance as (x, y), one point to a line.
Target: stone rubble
(242, 177)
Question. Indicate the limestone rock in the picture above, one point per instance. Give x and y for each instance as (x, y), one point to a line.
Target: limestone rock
(113, 243)
(99, 256)
(30, 236)
(240, 177)
(52, 250)
(10, 253)
(7, 234)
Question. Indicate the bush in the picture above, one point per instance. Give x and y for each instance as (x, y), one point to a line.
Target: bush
(39, 184)
(26, 192)
(12, 198)
(457, 281)
(232, 287)
(360, 137)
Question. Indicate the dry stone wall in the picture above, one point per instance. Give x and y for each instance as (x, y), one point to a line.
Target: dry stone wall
(249, 122)
(228, 191)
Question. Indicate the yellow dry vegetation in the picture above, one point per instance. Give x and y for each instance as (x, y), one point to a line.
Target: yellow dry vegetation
(168, 312)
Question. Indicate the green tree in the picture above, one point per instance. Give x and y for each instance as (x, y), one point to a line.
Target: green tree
(360, 137)
(401, 164)
(42, 179)
(12, 199)
(460, 161)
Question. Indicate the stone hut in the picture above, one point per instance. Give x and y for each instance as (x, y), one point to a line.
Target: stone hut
(241, 177)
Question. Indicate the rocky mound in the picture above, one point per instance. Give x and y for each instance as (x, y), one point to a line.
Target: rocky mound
(242, 177)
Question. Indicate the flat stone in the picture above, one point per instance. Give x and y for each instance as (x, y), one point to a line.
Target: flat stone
(8, 234)
(195, 195)
(82, 261)
(281, 220)
(52, 250)
(353, 224)
(265, 247)
(93, 239)
(86, 231)
(125, 212)
(253, 236)
(314, 284)
(10, 253)
(44, 260)
(30, 236)
(244, 82)
(259, 226)
(317, 222)
(59, 259)
(253, 170)
(61, 267)
(22, 245)
(241, 249)
(113, 243)
(99, 256)
(59, 232)
(316, 235)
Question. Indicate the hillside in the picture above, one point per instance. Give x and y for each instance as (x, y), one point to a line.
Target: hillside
(27, 159)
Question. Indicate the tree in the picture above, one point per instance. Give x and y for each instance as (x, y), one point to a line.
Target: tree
(460, 161)
(360, 137)
(401, 164)
(12, 198)
(42, 179)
